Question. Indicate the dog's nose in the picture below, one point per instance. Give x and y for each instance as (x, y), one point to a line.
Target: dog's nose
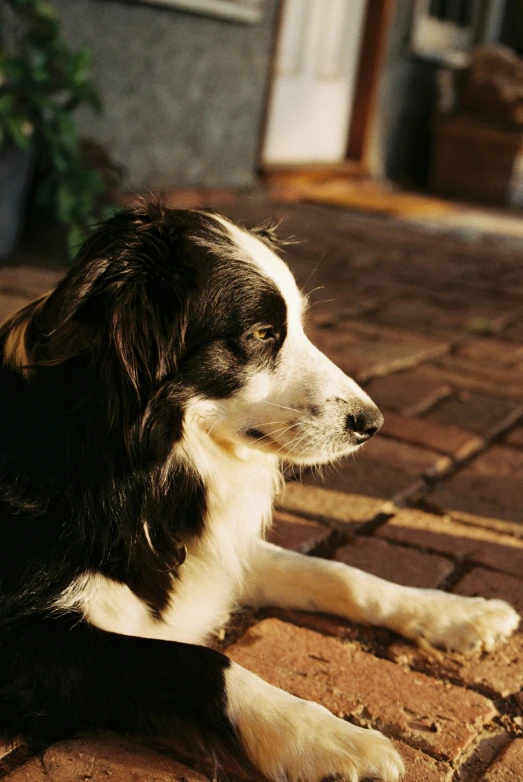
(364, 424)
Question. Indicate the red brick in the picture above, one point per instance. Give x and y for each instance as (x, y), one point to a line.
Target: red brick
(442, 313)
(490, 351)
(7, 746)
(98, 760)
(27, 281)
(444, 535)
(365, 351)
(483, 377)
(425, 432)
(9, 304)
(480, 581)
(383, 469)
(296, 533)
(491, 383)
(422, 768)
(412, 459)
(515, 438)
(348, 510)
(436, 718)
(408, 389)
(498, 525)
(508, 766)
(485, 751)
(32, 771)
(332, 314)
(498, 673)
(370, 638)
(420, 313)
(12, 755)
(399, 564)
(514, 332)
(491, 485)
(474, 411)
(198, 198)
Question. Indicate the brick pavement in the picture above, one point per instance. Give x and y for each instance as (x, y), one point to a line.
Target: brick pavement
(432, 326)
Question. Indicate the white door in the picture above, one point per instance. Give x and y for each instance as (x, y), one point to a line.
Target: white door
(312, 93)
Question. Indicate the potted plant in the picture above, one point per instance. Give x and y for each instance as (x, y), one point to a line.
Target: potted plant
(41, 84)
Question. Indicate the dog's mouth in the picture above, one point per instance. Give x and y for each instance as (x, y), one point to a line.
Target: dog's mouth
(264, 441)
(255, 434)
(289, 452)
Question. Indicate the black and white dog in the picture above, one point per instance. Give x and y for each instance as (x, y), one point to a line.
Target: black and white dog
(145, 406)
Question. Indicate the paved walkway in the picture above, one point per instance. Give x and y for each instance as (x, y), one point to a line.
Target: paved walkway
(432, 327)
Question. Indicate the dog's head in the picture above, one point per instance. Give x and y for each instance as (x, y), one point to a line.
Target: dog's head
(186, 319)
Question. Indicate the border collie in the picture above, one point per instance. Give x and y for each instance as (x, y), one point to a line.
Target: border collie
(145, 406)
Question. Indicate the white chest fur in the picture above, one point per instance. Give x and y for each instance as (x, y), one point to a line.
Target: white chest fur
(240, 486)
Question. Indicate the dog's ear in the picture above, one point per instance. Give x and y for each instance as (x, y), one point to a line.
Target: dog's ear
(268, 232)
(123, 307)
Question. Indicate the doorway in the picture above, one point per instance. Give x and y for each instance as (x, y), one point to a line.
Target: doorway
(327, 58)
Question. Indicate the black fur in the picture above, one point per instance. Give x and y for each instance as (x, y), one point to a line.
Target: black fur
(155, 310)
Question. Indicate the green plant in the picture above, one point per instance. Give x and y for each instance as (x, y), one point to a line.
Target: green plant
(41, 84)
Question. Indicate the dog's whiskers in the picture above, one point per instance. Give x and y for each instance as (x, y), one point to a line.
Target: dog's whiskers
(293, 409)
(276, 432)
(294, 444)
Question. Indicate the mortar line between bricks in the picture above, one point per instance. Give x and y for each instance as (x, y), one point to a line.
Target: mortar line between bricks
(477, 383)
(476, 775)
(424, 357)
(428, 402)
(476, 446)
(470, 563)
(506, 424)
(461, 566)
(368, 528)
(340, 537)
(361, 722)
(325, 521)
(327, 547)
(14, 759)
(446, 676)
(402, 364)
(413, 362)
(460, 570)
(449, 466)
(336, 525)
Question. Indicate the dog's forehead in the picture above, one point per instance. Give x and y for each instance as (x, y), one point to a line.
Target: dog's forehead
(269, 264)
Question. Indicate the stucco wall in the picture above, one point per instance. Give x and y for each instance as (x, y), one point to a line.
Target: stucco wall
(183, 95)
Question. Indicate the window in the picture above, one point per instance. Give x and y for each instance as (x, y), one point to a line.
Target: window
(447, 30)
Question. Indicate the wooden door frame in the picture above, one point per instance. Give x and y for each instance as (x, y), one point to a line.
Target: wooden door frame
(378, 18)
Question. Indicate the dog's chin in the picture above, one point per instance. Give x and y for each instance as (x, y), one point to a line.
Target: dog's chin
(288, 453)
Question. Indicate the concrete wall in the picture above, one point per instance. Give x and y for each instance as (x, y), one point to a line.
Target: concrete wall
(183, 95)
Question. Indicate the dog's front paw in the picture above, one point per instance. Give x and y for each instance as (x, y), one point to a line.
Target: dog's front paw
(294, 740)
(306, 743)
(460, 624)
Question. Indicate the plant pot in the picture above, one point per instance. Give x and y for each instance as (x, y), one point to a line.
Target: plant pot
(478, 159)
(15, 173)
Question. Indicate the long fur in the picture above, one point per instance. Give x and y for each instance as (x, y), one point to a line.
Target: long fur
(118, 511)
(145, 406)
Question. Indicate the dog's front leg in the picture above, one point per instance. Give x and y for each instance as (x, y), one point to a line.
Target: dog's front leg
(428, 616)
(294, 740)
(73, 676)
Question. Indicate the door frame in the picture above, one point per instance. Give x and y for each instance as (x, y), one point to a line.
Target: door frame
(378, 18)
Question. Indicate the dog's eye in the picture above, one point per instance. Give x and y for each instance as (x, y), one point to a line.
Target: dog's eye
(264, 333)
